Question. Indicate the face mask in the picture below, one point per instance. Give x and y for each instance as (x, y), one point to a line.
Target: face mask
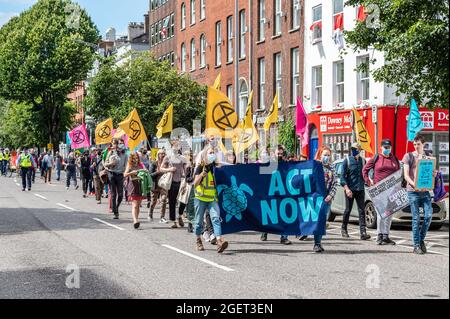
(387, 151)
(211, 158)
(325, 159)
(213, 143)
(355, 152)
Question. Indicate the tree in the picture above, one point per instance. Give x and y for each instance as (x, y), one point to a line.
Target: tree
(41, 60)
(413, 34)
(286, 133)
(147, 85)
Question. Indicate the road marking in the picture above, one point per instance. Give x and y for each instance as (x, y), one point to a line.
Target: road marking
(199, 258)
(111, 225)
(401, 241)
(437, 236)
(429, 251)
(67, 207)
(40, 196)
(17, 184)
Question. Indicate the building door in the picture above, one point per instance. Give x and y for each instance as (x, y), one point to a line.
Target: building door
(313, 142)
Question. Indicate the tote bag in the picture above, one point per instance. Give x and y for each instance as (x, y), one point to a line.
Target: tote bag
(165, 181)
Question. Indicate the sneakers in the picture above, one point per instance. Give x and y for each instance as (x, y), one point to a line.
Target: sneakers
(67, 188)
(84, 195)
(213, 240)
(302, 238)
(423, 247)
(285, 241)
(200, 245)
(163, 221)
(180, 221)
(99, 202)
(388, 241)
(116, 216)
(174, 225)
(318, 248)
(190, 228)
(418, 251)
(264, 237)
(23, 189)
(150, 216)
(380, 239)
(29, 189)
(136, 225)
(344, 233)
(221, 245)
(76, 187)
(206, 236)
(364, 236)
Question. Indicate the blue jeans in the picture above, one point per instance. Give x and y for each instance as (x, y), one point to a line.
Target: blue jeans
(214, 212)
(318, 238)
(416, 200)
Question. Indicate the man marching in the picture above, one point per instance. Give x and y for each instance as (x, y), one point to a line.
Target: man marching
(26, 163)
(382, 166)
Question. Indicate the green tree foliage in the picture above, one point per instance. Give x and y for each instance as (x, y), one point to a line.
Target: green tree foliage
(286, 133)
(413, 34)
(41, 60)
(150, 87)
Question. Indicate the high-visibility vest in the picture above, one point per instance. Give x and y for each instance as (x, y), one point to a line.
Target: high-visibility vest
(1, 156)
(7, 156)
(25, 161)
(206, 191)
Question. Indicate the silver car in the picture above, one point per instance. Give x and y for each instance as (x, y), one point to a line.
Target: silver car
(402, 217)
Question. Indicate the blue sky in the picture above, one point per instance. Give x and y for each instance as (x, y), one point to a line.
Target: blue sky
(105, 13)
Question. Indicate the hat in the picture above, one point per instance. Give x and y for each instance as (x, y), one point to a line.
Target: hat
(386, 142)
(356, 145)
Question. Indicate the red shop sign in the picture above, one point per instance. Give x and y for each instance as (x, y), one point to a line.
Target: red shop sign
(336, 123)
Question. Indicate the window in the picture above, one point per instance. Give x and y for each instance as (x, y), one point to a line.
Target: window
(262, 83)
(183, 16)
(230, 92)
(295, 22)
(202, 9)
(317, 85)
(230, 39)
(295, 65)
(218, 43)
(339, 82)
(172, 25)
(183, 57)
(160, 37)
(338, 14)
(316, 27)
(262, 19)
(277, 73)
(192, 12)
(152, 35)
(243, 98)
(192, 54)
(277, 17)
(202, 51)
(242, 31)
(363, 80)
(172, 59)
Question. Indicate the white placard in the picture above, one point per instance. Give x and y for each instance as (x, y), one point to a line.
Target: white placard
(443, 146)
(443, 158)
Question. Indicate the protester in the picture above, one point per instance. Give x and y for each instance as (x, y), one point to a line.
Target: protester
(33, 171)
(115, 163)
(96, 168)
(49, 162)
(85, 165)
(133, 186)
(416, 197)
(58, 166)
(353, 183)
(26, 163)
(158, 170)
(175, 164)
(189, 179)
(71, 170)
(145, 159)
(206, 199)
(382, 166)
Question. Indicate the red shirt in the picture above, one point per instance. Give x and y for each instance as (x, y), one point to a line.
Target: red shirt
(384, 167)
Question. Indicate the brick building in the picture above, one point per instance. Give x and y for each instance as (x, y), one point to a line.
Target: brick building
(76, 97)
(269, 48)
(163, 32)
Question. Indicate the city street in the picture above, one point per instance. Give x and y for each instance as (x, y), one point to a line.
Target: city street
(49, 234)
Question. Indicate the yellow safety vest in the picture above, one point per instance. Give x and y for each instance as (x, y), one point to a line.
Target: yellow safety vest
(206, 191)
(25, 161)
(7, 157)
(1, 156)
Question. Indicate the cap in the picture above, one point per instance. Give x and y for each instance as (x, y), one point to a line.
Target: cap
(356, 145)
(386, 142)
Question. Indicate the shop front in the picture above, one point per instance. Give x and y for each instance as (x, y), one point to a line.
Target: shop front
(334, 129)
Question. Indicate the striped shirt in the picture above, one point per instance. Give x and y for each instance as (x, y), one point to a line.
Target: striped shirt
(330, 180)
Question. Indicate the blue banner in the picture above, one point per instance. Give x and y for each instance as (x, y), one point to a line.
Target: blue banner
(287, 200)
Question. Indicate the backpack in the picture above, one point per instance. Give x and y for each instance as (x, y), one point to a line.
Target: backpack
(375, 159)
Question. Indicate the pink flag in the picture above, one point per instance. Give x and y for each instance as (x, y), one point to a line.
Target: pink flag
(302, 123)
(119, 133)
(79, 138)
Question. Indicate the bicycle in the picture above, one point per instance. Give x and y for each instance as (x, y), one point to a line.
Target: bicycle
(9, 170)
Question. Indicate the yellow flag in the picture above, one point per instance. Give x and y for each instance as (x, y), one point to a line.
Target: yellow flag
(247, 135)
(133, 127)
(221, 118)
(166, 123)
(217, 82)
(362, 135)
(103, 132)
(272, 118)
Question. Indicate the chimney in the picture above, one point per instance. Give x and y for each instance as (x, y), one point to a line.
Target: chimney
(146, 23)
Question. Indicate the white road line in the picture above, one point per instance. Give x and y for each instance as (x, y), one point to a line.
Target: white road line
(199, 258)
(66, 207)
(429, 251)
(40, 196)
(437, 236)
(111, 225)
(17, 184)
(401, 241)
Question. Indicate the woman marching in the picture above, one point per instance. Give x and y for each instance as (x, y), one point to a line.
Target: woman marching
(133, 186)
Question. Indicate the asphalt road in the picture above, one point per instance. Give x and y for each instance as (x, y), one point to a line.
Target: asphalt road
(50, 235)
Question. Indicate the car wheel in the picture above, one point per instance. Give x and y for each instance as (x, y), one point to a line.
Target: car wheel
(371, 216)
(331, 217)
(436, 226)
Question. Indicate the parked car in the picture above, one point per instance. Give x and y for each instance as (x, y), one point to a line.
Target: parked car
(402, 217)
